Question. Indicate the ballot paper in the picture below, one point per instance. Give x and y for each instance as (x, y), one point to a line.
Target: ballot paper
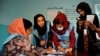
(55, 54)
(59, 53)
(90, 18)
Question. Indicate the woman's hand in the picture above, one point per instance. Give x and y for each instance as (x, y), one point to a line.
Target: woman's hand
(80, 23)
(93, 27)
(68, 50)
(42, 42)
(50, 50)
(87, 24)
(60, 49)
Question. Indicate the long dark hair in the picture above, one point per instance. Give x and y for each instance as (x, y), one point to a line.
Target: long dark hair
(41, 30)
(27, 23)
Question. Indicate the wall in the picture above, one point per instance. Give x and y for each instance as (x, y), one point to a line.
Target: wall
(10, 9)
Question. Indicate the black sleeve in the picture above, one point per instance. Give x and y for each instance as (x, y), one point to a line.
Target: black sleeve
(78, 30)
(37, 40)
(49, 42)
(50, 35)
(96, 21)
(50, 38)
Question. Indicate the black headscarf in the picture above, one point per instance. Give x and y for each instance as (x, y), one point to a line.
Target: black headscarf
(85, 7)
(41, 30)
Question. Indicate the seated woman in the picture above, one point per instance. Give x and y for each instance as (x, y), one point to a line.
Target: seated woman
(64, 35)
(18, 43)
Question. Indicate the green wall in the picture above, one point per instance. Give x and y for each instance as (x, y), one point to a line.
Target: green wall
(10, 9)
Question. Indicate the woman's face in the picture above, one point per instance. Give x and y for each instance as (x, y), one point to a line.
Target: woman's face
(81, 12)
(59, 27)
(29, 30)
(41, 21)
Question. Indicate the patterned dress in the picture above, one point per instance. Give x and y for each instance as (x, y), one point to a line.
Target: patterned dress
(18, 46)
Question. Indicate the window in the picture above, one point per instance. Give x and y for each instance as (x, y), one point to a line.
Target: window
(97, 10)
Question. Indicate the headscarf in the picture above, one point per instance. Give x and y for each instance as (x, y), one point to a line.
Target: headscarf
(84, 6)
(41, 30)
(63, 18)
(17, 26)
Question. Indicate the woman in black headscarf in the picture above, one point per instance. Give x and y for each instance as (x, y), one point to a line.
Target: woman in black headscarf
(84, 9)
(41, 31)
